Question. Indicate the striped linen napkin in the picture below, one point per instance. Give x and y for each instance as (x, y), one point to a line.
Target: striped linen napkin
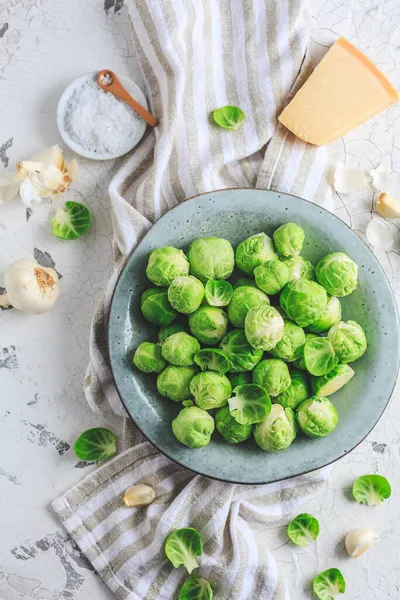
(195, 56)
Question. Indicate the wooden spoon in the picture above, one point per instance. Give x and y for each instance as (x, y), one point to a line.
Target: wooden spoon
(109, 82)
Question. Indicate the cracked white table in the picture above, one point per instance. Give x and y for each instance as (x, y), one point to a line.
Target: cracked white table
(44, 44)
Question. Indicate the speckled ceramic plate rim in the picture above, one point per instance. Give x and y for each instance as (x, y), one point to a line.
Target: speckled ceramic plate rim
(165, 452)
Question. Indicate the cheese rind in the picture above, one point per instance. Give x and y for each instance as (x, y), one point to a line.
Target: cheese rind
(344, 91)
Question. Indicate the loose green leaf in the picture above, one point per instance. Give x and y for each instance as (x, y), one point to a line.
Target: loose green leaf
(71, 221)
(196, 588)
(229, 117)
(371, 489)
(212, 359)
(250, 404)
(329, 584)
(182, 546)
(218, 292)
(303, 529)
(96, 444)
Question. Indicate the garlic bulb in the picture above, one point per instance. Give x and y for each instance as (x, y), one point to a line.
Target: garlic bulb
(388, 206)
(31, 288)
(139, 495)
(358, 541)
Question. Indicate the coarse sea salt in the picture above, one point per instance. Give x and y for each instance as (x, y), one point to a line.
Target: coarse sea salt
(98, 121)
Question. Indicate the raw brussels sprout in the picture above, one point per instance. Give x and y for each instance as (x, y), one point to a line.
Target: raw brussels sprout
(296, 393)
(193, 427)
(299, 268)
(185, 294)
(244, 281)
(241, 355)
(244, 298)
(304, 301)
(156, 308)
(212, 359)
(263, 327)
(289, 239)
(337, 273)
(240, 379)
(174, 382)
(348, 341)
(249, 404)
(208, 324)
(196, 588)
(232, 431)
(272, 276)
(210, 390)
(317, 417)
(148, 358)
(218, 292)
(180, 349)
(331, 316)
(273, 375)
(291, 345)
(182, 546)
(299, 362)
(71, 221)
(371, 489)
(333, 381)
(329, 584)
(167, 330)
(319, 356)
(255, 250)
(303, 529)
(165, 264)
(211, 258)
(277, 431)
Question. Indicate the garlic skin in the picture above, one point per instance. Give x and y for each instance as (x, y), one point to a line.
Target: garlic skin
(345, 180)
(388, 206)
(358, 541)
(30, 288)
(139, 495)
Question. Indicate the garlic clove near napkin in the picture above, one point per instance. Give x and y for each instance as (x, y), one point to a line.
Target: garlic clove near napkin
(139, 495)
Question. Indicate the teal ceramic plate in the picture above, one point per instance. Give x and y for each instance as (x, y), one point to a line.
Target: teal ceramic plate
(235, 215)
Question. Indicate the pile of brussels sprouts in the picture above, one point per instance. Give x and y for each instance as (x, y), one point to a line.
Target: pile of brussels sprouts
(255, 357)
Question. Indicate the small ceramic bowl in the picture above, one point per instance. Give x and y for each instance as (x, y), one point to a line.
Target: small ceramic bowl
(132, 88)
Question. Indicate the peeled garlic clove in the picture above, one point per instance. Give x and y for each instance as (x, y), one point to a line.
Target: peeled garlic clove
(139, 495)
(358, 541)
(388, 206)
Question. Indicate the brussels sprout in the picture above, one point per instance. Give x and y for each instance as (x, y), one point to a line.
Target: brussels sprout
(299, 362)
(289, 238)
(183, 545)
(211, 359)
(148, 358)
(277, 431)
(244, 298)
(317, 417)
(167, 330)
(208, 324)
(211, 258)
(71, 221)
(187, 403)
(319, 356)
(156, 308)
(165, 264)
(333, 381)
(348, 341)
(296, 393)
(291, 345)
(371, 489)
(232, 431)
(240, 379)
(241, 355)
(263, 327)
(303, 529)
(273, 375)
(96, 444)
(329, 584)
(196, 588)
(185, 294)
(331, 316)
(337, 273)
(180, 349)
(174, 382)
(272, 276)
(255, 250)
(244, 281)
(218, 292)
(304, 301)
(299, 268)
(250, 404)
(193, 427)
(210, 390)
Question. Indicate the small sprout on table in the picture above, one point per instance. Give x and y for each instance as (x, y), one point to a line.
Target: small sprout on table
(348, 341)
(337, 273)
(371, 489)
(165, 264)
(229, 117)
(71, 221)
(289, 239)
(329, 584)
(250, 404)
(180, 349)
(358, 541)
(193, 427)
(304, 301)
(210, 390)
(212, 359)
(139, 495)
(317, 417)
(185, 294)
(148, 358)
(244, 298)
(277, 431)
(182, 546)
(232, 431)
(263, 327)
(319, 356)
(211, 258)
(303, 529)
(255, 250)
(241, 355)
(196, 588)
(218, 292)
(96, 444)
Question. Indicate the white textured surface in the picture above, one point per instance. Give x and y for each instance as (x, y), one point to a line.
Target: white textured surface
(44, 44)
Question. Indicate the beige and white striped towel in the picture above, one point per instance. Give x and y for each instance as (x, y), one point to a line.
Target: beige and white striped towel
(195, 55)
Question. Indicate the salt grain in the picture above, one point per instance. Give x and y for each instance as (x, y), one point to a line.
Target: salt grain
(98, 121)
